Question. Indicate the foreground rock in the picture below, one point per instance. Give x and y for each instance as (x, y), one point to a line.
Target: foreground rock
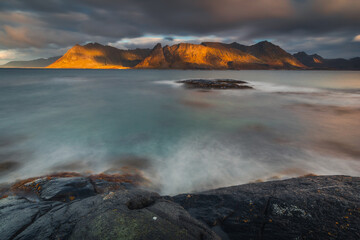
(326, 207)
(215, 84)
(71, 206)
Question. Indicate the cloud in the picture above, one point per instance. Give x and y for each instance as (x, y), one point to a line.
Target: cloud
(346, 8)
(357, 38)
(151, 41)
(29, 54)
(331, 45)
(34, 36)
(19, 17)
(7, 54)
(131, 23)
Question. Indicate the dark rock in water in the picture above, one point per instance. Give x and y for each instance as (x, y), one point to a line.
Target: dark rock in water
(215, 84)
(302, 208)
(67, 189)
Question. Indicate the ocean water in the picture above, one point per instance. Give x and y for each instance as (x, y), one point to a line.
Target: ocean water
(293, 123)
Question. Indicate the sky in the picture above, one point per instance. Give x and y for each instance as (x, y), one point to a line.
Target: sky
(31, 29)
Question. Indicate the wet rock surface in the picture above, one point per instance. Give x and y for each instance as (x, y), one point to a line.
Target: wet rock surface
(78, 207)
(67, 189)
(324, 207)
(215, 84)
(95, 207)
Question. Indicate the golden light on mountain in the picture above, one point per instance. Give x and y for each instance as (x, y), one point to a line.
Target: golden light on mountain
(316, 60)
(92, 56)
(208, 55)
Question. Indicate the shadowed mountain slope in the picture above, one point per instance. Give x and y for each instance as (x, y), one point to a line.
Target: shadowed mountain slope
(317, 62)
(37, 63)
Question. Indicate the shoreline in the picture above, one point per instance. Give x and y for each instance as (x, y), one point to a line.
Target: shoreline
(72, 206)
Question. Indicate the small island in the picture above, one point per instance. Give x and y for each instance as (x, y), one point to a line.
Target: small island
(215, 84)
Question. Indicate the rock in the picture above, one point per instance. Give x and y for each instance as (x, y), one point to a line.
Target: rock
(16, 214)
(125, 214)
(68, 186)
(321, 207)
(215, 84)
(67, 189)
(152, 218)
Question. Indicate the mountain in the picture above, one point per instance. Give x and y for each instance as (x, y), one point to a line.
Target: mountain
(37, 63)
(213, 55)
(95, 55)
(270, 55)
(309, 60)
(317, 62)
(207, 55)
(196, 56)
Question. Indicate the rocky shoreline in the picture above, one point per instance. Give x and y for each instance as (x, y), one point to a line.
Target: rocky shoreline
(72, 206)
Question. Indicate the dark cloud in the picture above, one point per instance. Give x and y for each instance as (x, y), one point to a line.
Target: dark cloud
(62, 23)
(169, 38)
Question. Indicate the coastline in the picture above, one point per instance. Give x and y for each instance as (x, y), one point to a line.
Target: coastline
(73, 206)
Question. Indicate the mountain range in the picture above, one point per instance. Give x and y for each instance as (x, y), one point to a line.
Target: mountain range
(207, 55)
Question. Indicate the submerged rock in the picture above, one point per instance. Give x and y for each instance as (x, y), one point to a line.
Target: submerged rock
(215, 84)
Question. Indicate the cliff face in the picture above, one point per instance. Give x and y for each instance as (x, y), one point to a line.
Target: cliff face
(94, 55)
(220, 56)
(156, 59)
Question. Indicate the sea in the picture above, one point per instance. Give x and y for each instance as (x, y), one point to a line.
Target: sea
(292, 123)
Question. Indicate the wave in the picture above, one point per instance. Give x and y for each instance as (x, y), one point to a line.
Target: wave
(277, 88)
(172, 83)
(67, 80)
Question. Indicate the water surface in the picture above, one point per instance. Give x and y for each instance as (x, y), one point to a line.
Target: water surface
(293, 123)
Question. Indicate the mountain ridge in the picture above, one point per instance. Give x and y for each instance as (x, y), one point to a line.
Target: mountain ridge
(317, 62)
(194, 56)
(263, 55)
(35, 63)
(95, 55)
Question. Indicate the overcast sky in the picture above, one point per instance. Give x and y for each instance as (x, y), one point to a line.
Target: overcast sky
(37, 28)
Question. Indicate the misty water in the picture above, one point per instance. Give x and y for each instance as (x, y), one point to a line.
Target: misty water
(293, 123)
